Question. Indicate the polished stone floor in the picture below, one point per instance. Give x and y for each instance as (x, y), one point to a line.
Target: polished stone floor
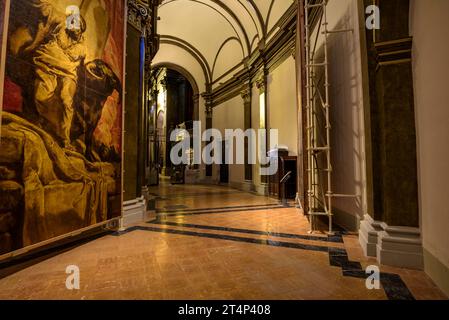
(213, 242)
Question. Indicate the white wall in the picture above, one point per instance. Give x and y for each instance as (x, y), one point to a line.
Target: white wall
(281, 96)
(347, 120)
(282, 104)
(230, 115)
(282, 109)
(255, 120)
(174, 55)
(430, 31)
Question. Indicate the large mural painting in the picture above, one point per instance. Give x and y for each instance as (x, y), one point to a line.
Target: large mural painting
(60, 144)
(3, 5)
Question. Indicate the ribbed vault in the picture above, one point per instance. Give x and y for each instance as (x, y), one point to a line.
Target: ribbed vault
(217, 34)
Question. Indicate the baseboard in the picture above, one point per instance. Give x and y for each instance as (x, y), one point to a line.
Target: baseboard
(192, 176)
(368, 235)
(246, 186)
(437, 271)
(208, 180)
(261, 189)
(134, 211)
(400, 247)
(346, 220)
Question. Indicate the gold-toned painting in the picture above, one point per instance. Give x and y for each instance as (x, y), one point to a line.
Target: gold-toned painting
(61, 129)
(3, 5)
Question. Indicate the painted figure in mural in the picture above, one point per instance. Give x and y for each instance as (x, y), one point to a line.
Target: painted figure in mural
(60, 159)
(68, 76)
(56, 63)
(99, 86)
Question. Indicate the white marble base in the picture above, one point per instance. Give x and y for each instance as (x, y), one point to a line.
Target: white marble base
(368, 235)
(145, 192)
(392, 246)
(192, 176)
(400, 247)
(262, 189)
(134, 211)
(248, 186)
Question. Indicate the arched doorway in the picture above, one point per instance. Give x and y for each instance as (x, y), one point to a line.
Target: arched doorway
(175, 97)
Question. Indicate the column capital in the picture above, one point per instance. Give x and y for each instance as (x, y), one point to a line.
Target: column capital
(393, 52)
(261, 83)
(196, 98)
(163, 83)
(246, 94)
(207, 96)
(209, 111)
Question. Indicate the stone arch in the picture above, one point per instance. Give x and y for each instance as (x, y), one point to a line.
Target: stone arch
(190, 78)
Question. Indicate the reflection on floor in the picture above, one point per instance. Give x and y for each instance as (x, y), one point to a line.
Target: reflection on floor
(213, 242)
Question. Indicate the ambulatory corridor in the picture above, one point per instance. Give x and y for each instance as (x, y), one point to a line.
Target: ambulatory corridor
(225, 150)
(214, 242)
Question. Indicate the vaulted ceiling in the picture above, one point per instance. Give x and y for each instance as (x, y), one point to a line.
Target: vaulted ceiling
(212, 37)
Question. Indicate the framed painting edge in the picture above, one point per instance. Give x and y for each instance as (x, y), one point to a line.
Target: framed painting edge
(4, 40)
(125, 31)
(116, 221)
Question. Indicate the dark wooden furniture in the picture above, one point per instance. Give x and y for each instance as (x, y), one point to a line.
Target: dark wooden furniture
(286, 163)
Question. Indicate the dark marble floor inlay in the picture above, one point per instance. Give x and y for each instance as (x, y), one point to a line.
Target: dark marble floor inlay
(183, 213)
(181, 210)
(202, 194)
(267, 242)
(393, 285)
(334, 239)
(176, 207)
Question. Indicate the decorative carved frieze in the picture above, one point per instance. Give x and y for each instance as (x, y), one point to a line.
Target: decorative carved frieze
(393, 52)
(142, 14)
(208, 104)
(139, 13)
(246, 94)
(261, 83)
(274, 53)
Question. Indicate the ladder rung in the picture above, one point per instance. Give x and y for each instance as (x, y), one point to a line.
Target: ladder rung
(318, 149)
(344, 195)
(340, 31)
(319, 214)
(315, 5)
(311, 65)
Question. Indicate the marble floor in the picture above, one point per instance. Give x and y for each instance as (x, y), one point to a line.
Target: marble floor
(213, 242)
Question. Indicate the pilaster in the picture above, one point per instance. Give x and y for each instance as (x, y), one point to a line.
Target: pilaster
(209, 113)
(247, 97)
(392, 223)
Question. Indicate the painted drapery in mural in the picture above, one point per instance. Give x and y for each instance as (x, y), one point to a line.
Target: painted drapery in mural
(2, 19)
(60, 146)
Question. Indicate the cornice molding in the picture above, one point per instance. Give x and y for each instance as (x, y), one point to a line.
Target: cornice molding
(246, 94)
(265, 59)
(138, 14)
(393, 52)
(142, 15)
(261, 84)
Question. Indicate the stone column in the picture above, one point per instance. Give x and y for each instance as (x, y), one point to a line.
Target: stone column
(300, 60)
(390, 230)
(196, 117)
(246, 96)
(140, 35)
(154, 160)
(163, 144)
(261, 84)
(209, 113)
(196, 107)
